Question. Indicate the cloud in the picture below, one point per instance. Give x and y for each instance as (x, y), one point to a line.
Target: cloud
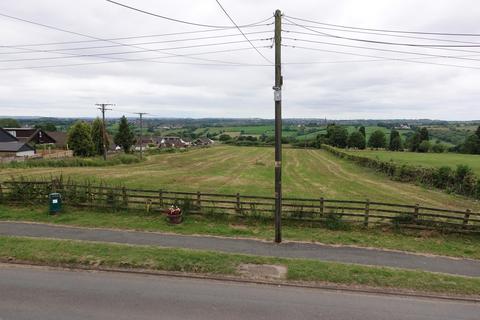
(334, 84)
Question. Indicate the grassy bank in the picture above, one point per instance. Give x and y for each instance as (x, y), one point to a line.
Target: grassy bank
(71, 253)
(423, 159)
(455, 245)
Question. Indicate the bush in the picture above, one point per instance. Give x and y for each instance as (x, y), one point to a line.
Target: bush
(74, 162)
(424, 146)
(443, 178)
(224, 137)
(334, 221)
(439, 147)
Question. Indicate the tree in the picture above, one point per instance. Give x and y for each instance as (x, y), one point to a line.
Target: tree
(80, 139)
(9, 123)
(377, 140)
(424, 146)
(424, 135)
(98, 136)
(471, 145)
(337, 136)
(395, 141)
(439, 147)
(47, 126)
(414, 142)
(124, 137)
(362, 131)
(225, 137)
(477, 133)
(356, 140)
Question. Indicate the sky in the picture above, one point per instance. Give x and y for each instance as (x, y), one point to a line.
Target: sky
(156, 74)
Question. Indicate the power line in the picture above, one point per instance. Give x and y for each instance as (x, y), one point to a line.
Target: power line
(184, 21)
(382, 58)
(437, 47)
(121, 45)
(108, 54)
(383, 50)
(130, 37)
(126, 60)
(389, 31)
(383, 34)
(253, 46)
(145, 59)
(96, 38)
(377, 42)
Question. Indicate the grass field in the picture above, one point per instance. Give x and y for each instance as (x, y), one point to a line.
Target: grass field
(249, 170)
(424, 159)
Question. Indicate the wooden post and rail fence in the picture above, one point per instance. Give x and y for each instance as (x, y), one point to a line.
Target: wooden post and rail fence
(362, 212)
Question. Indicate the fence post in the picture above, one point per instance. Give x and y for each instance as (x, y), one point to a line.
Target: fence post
(90, 194)
(321, 205)
(416, 211)
(1, 193)
(466, 217)
(199, 201)
(238, 203)
(160, 198)
(367, 213)
(125, 198)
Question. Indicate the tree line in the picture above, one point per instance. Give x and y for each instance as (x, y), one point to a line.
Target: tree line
(338, 136)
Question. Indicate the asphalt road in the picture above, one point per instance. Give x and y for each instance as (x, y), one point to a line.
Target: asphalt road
(289, 250)
(38, 293)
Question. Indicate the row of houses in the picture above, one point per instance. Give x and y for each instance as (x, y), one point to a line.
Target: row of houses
(21, 142)
(170, 142)
(24, 142)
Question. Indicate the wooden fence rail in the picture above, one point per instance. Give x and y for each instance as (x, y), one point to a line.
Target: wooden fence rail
(366, 213)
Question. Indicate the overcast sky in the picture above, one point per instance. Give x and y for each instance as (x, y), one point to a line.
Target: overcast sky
(318, 84)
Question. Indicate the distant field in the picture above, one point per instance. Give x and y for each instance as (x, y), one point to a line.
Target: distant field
(424, 159)
(249, 170)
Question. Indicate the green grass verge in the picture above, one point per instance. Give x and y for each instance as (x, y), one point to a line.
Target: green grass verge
(423, 159)
(456, 245)
(62, 252)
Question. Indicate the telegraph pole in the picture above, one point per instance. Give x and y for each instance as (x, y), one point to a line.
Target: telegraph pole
(278, 126)
(141, 132)
(103, 108)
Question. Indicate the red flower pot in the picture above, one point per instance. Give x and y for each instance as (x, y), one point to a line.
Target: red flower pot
(174, 215)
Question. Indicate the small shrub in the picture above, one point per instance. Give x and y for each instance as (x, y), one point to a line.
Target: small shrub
(443, 177)
(334, 221)
(298, 212)
(403, 219)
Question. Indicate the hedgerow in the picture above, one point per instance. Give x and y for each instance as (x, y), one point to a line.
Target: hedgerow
(460, 180)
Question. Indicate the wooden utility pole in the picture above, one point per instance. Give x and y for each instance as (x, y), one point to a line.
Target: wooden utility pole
(278, 126)
(103, 108)
(141, 132)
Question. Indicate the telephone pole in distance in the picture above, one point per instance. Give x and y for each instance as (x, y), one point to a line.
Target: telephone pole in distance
(103, 108)
(141, 132)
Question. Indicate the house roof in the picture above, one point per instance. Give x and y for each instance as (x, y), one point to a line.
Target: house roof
(15, 146)
(59, 137)
(6, 136)
(27, 134)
